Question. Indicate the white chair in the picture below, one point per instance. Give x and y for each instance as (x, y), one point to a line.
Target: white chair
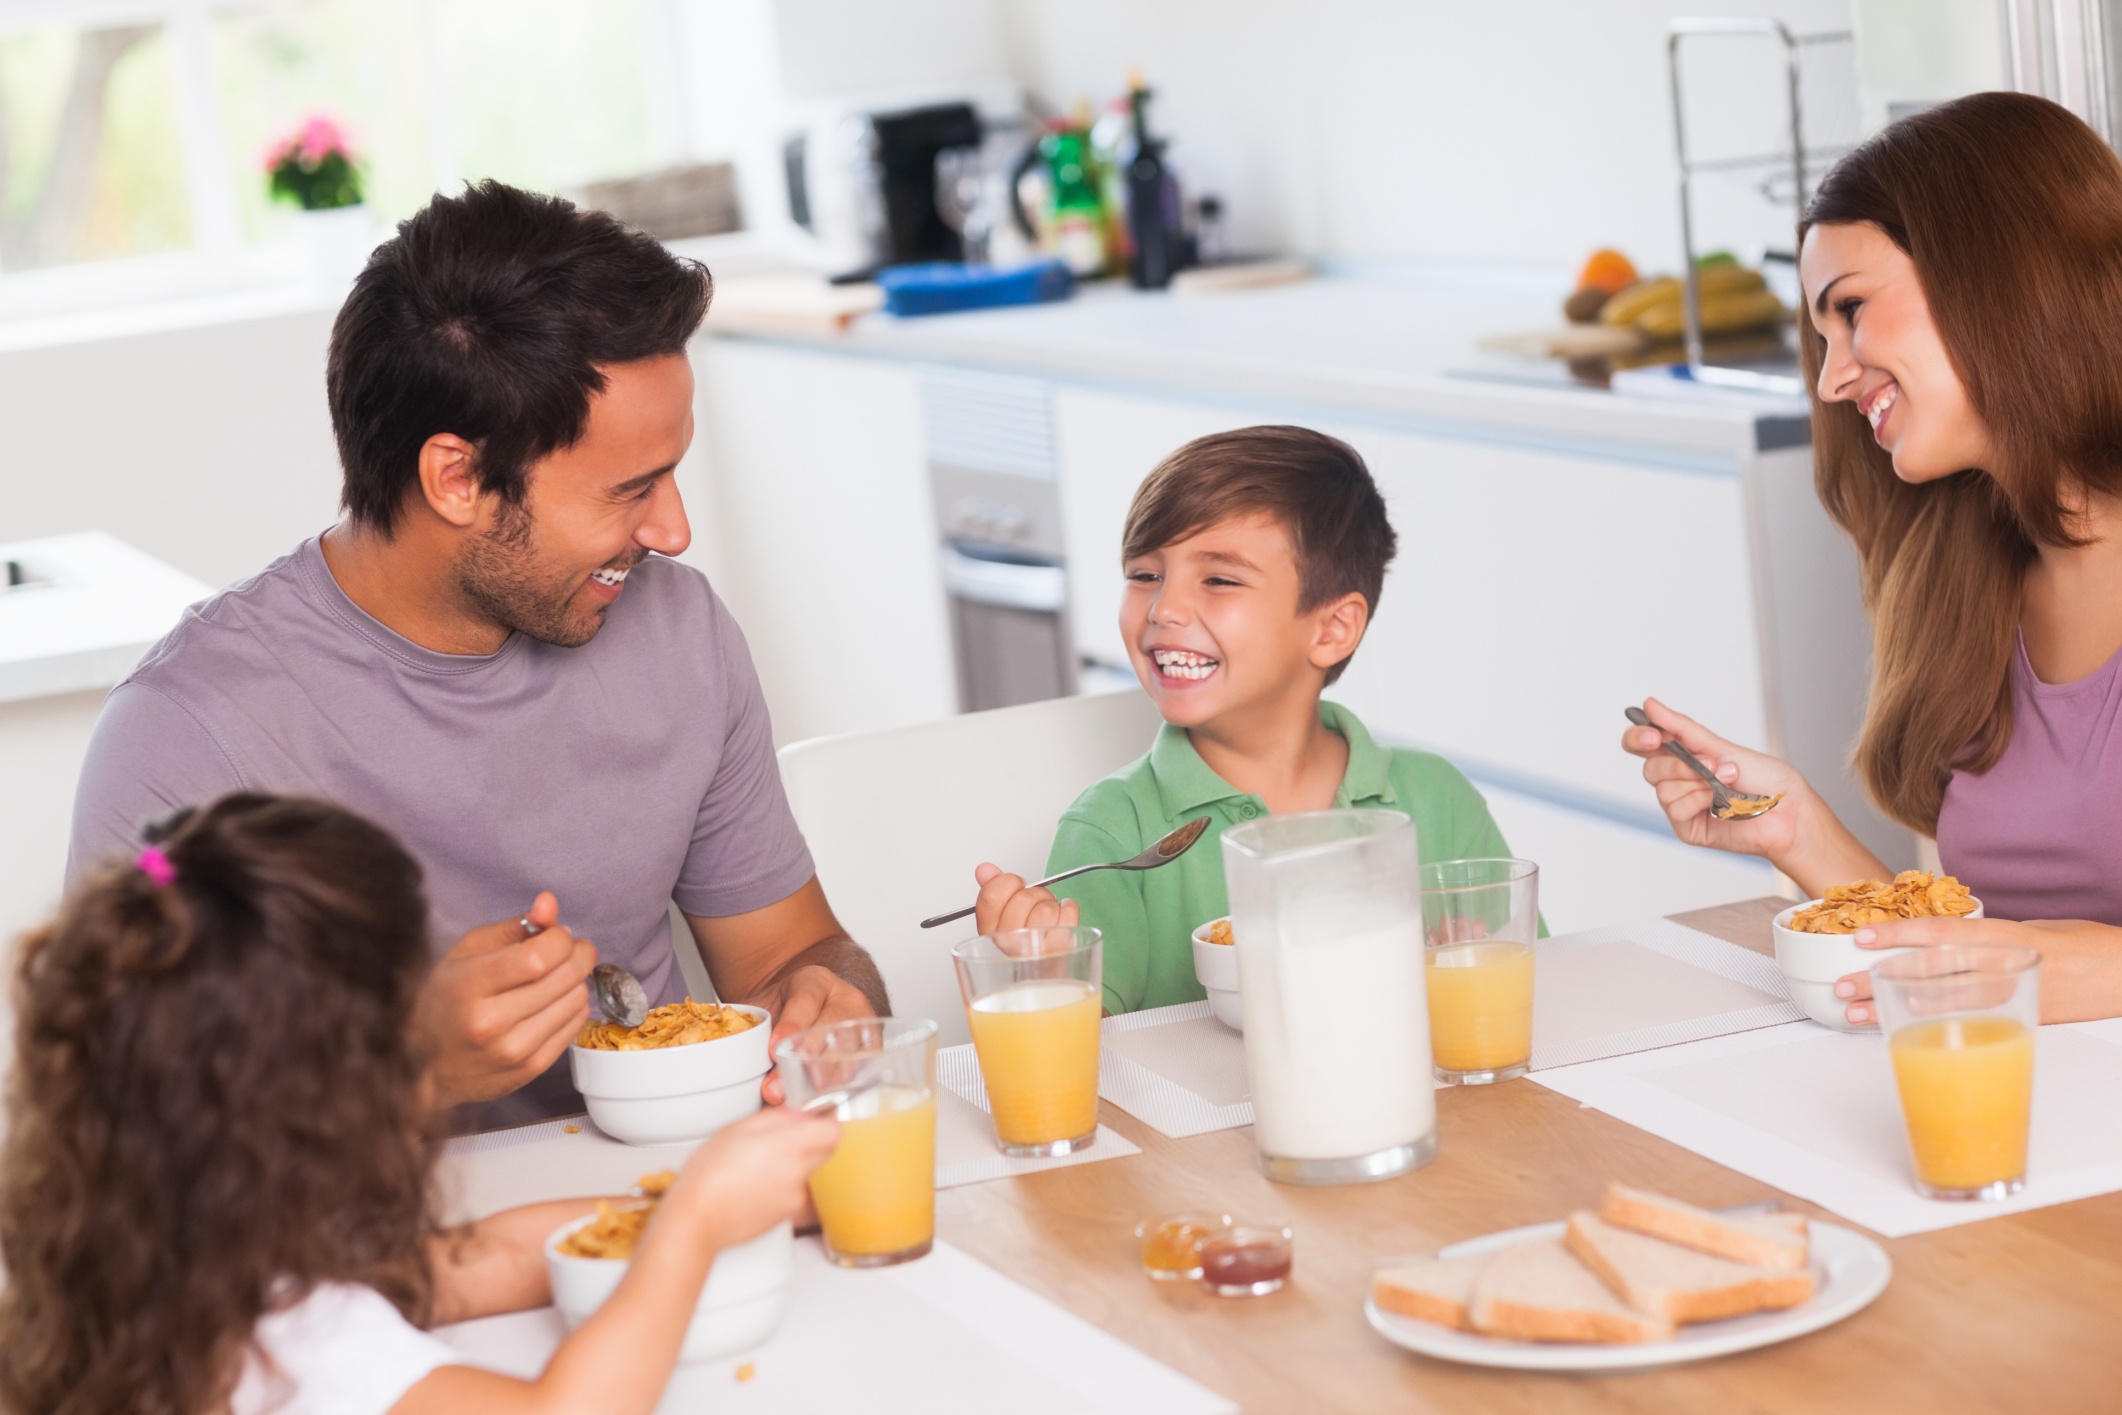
(896, 820)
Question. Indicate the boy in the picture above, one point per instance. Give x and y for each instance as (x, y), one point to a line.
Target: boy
(1254, 560)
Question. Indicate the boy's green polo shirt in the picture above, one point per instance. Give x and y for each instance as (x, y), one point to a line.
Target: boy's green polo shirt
(1149, 917)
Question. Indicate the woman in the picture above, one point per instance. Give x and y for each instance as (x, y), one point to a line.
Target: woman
(1962, 330)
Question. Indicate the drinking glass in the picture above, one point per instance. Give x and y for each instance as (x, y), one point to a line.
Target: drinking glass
(1033, 999)
(1326, 909)
(1959, 1025)
(1479, 920)
(876, 1194)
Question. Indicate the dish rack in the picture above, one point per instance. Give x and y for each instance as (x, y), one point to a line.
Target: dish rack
(1776, 168)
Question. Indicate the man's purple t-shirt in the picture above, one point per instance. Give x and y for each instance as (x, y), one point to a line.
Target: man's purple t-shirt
(632, 771)
(2039, 835)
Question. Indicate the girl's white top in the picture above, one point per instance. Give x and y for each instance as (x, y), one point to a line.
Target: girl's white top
(342, 1350)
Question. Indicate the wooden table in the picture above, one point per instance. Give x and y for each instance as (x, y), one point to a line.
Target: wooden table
(2021, 1313)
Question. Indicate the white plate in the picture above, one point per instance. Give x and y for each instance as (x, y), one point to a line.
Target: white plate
(1848, 1268)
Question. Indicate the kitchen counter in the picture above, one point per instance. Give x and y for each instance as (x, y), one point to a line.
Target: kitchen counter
(89, 606)
(1398, 349)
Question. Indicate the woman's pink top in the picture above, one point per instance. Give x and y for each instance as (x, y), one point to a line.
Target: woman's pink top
(2039, 835)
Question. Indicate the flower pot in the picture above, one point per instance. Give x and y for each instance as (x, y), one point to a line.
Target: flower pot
(335, 243)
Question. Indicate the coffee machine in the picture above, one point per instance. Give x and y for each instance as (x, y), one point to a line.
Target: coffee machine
(863, 177)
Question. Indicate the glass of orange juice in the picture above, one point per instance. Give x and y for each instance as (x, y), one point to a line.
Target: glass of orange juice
(1033, 999)
(876, 1194)
(1479, 920)
(1959, 1025)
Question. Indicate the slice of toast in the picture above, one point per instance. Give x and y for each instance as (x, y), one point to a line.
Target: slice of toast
(1761, 1240)
(1535, 1291)
(1431, 1289)
(1679, 1283)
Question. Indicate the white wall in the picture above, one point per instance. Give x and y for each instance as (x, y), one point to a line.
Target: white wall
(1516, 131)
(208, 447)
(41, 744)
(1923, 51)
(1524, 131)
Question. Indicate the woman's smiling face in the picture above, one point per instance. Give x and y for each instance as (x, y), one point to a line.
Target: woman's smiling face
(1881, 351)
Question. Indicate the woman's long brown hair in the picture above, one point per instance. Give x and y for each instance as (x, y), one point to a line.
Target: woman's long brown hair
(213, 1108)
(2010, 209)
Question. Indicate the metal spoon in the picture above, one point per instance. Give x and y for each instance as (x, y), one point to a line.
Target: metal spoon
(619, 994)
(1170, 848)
(1725, 803)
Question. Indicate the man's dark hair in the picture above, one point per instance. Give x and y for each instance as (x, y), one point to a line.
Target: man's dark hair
(489, 316)
(1316, 487)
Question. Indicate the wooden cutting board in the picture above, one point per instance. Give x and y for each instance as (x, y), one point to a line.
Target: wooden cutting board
(1572, 341)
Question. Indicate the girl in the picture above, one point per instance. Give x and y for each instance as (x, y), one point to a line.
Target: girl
(1962, 328)
(213, 1194)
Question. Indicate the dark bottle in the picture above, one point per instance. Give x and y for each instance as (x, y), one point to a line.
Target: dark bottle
(1154, 218)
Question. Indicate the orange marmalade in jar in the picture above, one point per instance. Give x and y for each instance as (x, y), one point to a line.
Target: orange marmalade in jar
(1171, 1245)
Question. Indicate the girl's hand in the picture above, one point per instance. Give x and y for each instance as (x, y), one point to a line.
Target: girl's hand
(1686, 797)
(2081, 962)
(752, 1175)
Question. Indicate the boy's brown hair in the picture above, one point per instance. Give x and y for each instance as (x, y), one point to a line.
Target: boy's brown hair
(1314, 486)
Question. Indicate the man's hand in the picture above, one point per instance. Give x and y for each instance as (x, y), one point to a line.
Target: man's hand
(502, 1005)
(793, 959)
(2081, 962)
(809, 994)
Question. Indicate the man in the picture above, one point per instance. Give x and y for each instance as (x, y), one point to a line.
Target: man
(491, 656)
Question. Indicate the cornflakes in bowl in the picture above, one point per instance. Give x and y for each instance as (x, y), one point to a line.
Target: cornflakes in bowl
(739, 1306)
(1914, 894)
(1814, 943)
(688, 1070)
(675, 1024)
(1216, 969)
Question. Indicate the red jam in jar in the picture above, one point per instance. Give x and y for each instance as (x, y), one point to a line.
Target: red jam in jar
(1245, 1260)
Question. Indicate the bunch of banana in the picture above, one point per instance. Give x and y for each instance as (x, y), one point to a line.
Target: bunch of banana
(1733, 298)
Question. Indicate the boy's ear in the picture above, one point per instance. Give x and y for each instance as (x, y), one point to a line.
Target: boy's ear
(1338, 629)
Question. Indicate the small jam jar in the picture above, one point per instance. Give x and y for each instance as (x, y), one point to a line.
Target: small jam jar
(1246, 1260)
(1171, 1245)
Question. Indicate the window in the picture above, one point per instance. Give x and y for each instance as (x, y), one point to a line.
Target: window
(90, 163)
(143, 138)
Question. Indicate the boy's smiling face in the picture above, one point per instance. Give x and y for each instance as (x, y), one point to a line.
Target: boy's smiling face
(1212, 625)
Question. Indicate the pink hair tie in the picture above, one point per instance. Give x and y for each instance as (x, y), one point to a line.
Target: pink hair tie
(156, 866)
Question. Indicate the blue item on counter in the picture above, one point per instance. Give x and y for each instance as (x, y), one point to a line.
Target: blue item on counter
(943, 287)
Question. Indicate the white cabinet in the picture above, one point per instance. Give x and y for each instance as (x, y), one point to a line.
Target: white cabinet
(88, 606)
(810, 509)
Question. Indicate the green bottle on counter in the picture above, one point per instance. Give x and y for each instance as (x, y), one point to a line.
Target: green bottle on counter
(1077, 221)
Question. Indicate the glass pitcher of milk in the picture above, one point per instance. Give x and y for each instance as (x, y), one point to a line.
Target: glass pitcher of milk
(1326, 913)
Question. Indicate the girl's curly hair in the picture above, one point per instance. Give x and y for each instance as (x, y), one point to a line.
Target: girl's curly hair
(214, 1106)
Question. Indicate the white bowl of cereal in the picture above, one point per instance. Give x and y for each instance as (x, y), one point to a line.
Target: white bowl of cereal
(684, 1073)
(1216, 969)
(739, 1307)
(1815, 943)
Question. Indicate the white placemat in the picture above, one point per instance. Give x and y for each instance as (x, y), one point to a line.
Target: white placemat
(965, 1137)
(940, 1336)
(1177, 1069)
(1625, 988)
(1814, 1112)
(1645, 984)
